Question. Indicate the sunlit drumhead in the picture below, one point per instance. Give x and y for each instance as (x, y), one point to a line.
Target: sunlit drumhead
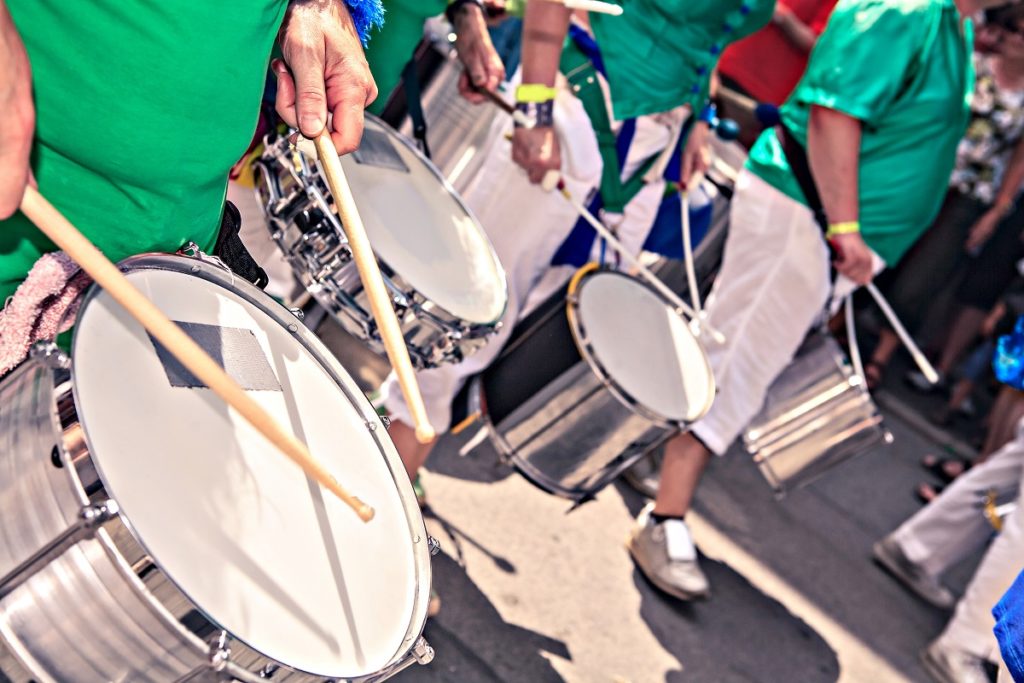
(418, 228)
(642, 346)
(279, 563)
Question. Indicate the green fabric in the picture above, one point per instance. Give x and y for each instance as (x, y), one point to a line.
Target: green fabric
(583, 77)
(142, 108)
(872, 63)
(659, 54)
(392, 45)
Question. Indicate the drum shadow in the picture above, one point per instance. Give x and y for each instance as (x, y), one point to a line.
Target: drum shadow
(454, 534)
(469, 456)
(474, 643)
(739, 635)
(332, 551)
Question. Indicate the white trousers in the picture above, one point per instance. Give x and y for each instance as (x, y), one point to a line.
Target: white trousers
(952, 528)
(772, 288)
(526, 225)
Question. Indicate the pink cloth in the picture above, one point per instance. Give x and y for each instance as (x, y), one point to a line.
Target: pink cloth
(45, 305)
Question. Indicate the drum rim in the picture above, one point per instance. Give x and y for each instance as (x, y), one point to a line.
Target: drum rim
(499, 268)
(454, 320)
(212, 270)
(587, 352)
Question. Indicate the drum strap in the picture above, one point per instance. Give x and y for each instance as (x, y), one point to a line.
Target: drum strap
(581, 64)
(414, 105)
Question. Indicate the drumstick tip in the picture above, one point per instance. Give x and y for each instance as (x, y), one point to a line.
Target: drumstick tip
(425, 434)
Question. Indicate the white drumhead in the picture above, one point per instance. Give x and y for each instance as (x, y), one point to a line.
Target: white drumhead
(645, 348)
(279, 563)
(419, 229)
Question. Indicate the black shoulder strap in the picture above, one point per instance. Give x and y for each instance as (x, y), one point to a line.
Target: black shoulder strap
(414, 105)
(796, 156)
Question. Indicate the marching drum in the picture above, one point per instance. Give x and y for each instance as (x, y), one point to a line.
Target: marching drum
(591, 381)
(152, 535)
(817, 414)
(439, 267)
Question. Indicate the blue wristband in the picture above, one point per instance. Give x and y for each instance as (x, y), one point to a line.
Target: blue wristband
(366, 15)
(709, 113)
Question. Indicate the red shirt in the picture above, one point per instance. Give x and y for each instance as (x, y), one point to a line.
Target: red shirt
(766, 64)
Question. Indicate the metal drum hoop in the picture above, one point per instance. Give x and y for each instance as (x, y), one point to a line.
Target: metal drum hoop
(586, 349)
(211, 271)
(307, 177)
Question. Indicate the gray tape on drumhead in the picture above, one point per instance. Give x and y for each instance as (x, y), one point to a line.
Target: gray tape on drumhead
(235, 349)
(376, 149)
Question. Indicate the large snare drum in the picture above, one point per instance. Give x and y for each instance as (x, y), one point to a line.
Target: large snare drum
(817, 414)
(591, 381)
(152, 535)
(444, 277)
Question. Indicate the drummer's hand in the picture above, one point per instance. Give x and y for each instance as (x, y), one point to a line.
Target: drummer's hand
(329, 72)
(853, 257)
(537, 151)
(696, 155)
(476, 51)
(17, 116)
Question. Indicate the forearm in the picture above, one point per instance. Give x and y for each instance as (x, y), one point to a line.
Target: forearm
(833, 152)
(797, 32)
(544, 29)
(1012, 179)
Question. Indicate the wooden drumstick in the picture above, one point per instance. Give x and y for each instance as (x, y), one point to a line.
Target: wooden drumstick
(373, 283)
(49, 220)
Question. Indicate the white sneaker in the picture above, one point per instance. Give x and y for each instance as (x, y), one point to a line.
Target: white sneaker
(665, 553)
(949, 664)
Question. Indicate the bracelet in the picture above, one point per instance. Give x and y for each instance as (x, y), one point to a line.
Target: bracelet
(709, 113)
(535, 93)
(542, 114)
(846, 228)
(453, 8)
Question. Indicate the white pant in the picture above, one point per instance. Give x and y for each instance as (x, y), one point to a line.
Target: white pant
(953, 528)
(526, 225)
(772, 288)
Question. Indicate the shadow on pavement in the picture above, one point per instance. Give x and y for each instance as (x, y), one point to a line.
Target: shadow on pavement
(482, 464)
(473, 642)
(456, 536)
(739, 635)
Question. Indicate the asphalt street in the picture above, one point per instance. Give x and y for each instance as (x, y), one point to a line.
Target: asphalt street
(531, 593)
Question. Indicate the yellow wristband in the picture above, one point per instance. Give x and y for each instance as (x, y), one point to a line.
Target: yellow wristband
(847, 228)
(535, 93)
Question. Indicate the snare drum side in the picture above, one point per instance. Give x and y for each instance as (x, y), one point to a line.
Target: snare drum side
(75, 613)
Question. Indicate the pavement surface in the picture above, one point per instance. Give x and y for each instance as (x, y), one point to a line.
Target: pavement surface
(531, 593)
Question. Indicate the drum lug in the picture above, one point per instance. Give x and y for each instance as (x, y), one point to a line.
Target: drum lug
(298, 313)
(433, 545)
(422, 652)
(90, 518)
(49, 354)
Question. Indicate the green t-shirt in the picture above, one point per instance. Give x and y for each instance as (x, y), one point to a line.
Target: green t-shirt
(659, 54)
(142, 108)
(903, 67)
(392, 45)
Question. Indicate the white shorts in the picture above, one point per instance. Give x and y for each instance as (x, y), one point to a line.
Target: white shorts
(772, 288)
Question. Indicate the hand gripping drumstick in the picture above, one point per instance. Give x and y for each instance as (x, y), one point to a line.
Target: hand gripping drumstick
(553, 181)
(373, 283)
(67, 237)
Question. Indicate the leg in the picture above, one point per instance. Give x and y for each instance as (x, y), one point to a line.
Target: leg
(413, 453)
(1006, 414)
(685, 461)
(950, 528)
(773, 285)
(963, 332)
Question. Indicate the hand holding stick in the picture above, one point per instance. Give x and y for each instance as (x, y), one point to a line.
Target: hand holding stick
(373, 283)
(179, 344)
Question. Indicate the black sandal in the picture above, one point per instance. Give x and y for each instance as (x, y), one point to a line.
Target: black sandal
(938, 466)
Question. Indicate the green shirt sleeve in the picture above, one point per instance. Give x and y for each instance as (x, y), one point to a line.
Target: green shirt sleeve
(861, 62)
